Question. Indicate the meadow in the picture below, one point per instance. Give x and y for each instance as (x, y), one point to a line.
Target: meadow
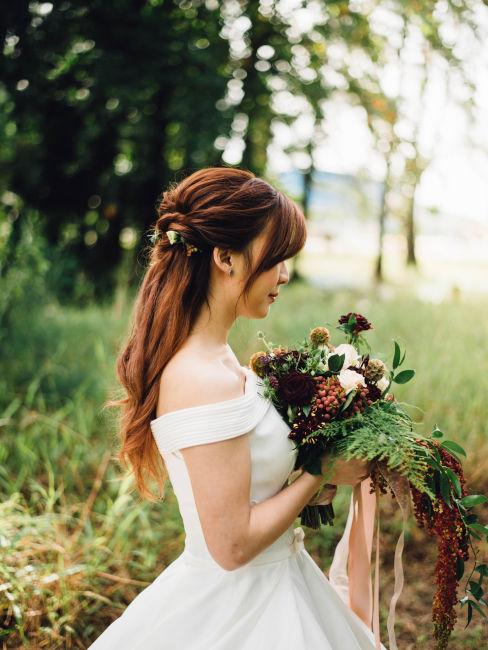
(77, 543)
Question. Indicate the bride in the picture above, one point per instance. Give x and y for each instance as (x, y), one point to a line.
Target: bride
(193, 414)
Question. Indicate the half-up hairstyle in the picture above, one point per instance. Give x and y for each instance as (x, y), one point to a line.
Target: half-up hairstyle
(214, 207)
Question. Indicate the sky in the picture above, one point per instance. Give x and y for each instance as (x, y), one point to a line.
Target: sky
(456, 180)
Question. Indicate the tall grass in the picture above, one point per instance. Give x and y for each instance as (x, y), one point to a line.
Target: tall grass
(76, 543)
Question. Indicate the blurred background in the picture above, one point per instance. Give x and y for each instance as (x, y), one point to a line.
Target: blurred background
(372, 115)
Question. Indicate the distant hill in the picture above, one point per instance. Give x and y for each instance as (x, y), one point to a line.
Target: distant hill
(337, 195)
(344, 198)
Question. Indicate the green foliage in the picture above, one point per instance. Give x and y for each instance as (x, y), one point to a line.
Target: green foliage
(96, 122)
(65, 572)
(381, 432)
(54, 437)
(24, 266)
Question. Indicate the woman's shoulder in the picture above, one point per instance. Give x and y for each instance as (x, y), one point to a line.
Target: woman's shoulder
(189, 381)
(196, 414)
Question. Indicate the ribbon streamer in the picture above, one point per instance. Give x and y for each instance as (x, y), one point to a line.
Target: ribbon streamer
(350, 571)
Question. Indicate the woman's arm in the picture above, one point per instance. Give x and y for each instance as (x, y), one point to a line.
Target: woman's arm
(235, 530)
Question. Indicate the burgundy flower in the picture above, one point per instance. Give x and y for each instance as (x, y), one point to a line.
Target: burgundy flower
(296, 388)
(362, 323)
(273, 381)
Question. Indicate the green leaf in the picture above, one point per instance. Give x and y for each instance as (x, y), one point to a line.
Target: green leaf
(471, 519)
(454, 480)
(483, 570)
(306, 409)
(404, 376)
(474, 534)
(437, 455)
(470, 613)
(336, 361)
(473, 500)
(478, 608)
(445, 491)
(396, 355)
(475, 589)
(349, 399)
(459, 568)
(402, 359)
(480, 528)
(436, 432)
(450, 445)
(432, 463)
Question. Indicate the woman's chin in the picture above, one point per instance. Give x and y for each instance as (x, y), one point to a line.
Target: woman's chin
(262, 312)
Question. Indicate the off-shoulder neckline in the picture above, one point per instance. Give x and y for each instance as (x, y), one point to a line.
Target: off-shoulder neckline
(235, 400)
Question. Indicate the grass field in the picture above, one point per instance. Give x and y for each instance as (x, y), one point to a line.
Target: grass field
(77, 544)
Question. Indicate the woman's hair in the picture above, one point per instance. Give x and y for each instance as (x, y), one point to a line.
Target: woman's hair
(216, 206)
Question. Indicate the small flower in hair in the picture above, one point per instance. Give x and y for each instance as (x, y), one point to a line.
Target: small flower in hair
(174, 236)
(177, 238)
(154, 236)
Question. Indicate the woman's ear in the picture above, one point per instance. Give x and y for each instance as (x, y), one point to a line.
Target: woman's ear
(223, 259)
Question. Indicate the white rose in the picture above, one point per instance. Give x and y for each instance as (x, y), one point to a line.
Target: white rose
(382, 383)
(350, 379)
(352, 357)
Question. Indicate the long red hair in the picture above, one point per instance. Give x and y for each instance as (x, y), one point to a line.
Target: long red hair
(216, 206)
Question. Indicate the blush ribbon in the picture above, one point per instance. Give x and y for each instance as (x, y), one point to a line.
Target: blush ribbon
(350, 571)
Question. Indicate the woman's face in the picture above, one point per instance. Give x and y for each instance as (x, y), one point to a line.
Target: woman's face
(259, 299)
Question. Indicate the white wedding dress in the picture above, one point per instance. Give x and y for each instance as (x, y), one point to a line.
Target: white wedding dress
(280, 599)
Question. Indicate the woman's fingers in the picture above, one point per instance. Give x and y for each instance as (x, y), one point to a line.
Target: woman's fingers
(325, 497)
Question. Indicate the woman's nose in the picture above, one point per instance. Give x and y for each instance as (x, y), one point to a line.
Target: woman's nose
(284, 276)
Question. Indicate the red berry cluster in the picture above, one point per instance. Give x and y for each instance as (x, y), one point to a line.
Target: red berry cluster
(325, 405)
(326, 402)
(365, 396)
(446, 524)
(329, 397)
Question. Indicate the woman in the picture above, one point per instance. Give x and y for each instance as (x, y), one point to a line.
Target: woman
(244, 580)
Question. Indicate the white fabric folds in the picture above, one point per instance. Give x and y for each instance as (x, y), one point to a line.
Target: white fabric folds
(279, 599)
(213, 422)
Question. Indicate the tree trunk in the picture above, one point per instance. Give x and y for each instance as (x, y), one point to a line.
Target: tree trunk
(378, 271)
(411, 259)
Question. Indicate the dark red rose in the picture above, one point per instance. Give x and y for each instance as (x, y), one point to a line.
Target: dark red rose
(362, 323)
(296, 388)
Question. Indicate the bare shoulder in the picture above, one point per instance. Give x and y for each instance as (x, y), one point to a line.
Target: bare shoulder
(186, 382)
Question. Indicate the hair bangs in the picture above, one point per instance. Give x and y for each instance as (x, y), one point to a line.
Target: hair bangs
(287, 233)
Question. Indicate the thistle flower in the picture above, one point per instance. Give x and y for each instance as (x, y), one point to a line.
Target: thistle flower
(319, 336)
(375, 370)
(279, 350)
(257, 363)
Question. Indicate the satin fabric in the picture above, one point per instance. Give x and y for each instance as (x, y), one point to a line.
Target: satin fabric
(280, 599)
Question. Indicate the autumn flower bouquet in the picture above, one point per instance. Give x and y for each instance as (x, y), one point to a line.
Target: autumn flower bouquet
(337, 399)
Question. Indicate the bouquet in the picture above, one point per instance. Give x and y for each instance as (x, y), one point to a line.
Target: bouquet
(337, 399)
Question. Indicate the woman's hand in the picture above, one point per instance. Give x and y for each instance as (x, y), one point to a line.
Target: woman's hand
(324, 497)
(345, 472)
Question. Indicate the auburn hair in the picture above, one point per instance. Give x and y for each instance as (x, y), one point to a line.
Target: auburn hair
(221, 207)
